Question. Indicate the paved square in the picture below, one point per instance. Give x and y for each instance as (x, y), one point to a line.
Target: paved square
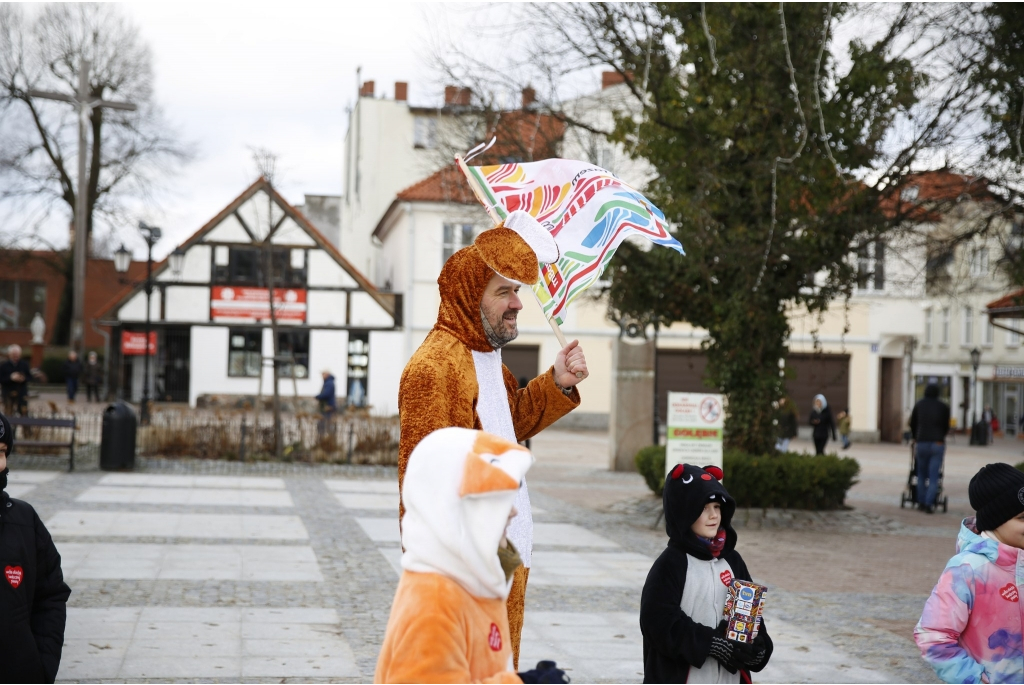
(383, 487)
(375, 501)
(172, 481)
(228, 643)
(189, 562)
(147, 524)
(185, 496)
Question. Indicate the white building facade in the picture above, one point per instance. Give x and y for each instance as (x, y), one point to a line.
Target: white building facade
(212, 320)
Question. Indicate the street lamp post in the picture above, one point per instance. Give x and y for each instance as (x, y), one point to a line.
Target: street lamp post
(975, 363)
(122, 259)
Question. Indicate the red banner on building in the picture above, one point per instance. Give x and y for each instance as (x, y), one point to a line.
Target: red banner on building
(133, 342)
(229, 304)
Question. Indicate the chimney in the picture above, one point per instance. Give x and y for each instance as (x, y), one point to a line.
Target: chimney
(401, 91)
(454, 95)
(529, 97)
(366, 90)
(611, 78)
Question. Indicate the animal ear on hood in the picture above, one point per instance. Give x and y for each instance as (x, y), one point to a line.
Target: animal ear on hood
(677, 471)
(715, 471)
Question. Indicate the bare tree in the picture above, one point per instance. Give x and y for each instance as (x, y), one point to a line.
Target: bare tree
(132, 152)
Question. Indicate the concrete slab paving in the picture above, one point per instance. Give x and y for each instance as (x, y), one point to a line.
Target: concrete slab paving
(189, 562)
(161, 480)
(373, 501)
(73, 523)
(385, 487)
(222, 643)
(381, 529)
(590, 569)
(186, 496)
(568, 535)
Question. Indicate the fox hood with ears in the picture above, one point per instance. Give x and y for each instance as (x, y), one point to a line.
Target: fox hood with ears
(459, 491)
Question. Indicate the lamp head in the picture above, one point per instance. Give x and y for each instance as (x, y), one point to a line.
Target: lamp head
(975, 358)
(177, 261)
(122, 259)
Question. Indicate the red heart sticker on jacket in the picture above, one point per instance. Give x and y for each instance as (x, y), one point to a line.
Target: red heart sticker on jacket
(14, 575)
(1009, 592)
(494, 639)
(726, 577)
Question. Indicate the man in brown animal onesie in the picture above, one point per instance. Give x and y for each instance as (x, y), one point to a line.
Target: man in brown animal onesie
(456, 377)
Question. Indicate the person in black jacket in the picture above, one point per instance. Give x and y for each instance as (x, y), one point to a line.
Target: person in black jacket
(72, 372)
(684, 595)
(929, 424)
(822, 422)
(33, 596)
(14, 375)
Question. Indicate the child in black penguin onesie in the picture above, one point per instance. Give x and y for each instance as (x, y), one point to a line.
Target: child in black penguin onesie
(681, 608)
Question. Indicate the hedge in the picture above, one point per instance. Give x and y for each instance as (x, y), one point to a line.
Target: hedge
(783, 481)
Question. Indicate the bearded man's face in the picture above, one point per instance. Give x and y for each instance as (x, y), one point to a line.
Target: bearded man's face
(499, 309)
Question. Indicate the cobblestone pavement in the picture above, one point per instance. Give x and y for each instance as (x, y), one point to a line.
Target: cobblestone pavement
(218, 571)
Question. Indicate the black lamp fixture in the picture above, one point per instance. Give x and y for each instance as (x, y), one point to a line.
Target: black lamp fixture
(122, 259)
(975, 359)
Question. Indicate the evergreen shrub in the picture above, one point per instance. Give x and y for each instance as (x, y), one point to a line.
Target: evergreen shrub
(782, 481)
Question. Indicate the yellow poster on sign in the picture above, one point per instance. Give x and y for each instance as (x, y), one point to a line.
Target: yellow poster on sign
(696, 424)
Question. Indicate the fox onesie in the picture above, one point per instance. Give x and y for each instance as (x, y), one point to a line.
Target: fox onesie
(456, 378)
(448, 622)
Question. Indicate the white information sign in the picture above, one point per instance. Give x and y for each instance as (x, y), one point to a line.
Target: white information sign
(695, 426)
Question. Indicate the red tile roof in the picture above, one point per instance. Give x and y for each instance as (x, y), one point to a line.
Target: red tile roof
(447, 185)
(933, 189)
(1014, 300)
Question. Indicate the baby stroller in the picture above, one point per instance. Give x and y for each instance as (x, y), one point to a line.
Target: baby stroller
(910, 494)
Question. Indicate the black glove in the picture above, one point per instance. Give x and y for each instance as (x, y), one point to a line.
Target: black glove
(723, 650)
(752, 656)
(546, 673)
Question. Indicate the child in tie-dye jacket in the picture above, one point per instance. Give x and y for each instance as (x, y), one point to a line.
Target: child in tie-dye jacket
(971, 627)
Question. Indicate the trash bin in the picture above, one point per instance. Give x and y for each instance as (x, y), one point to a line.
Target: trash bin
(117, 445)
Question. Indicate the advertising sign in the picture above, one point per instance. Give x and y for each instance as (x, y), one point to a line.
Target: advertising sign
(230, 304)
(695, 426)
(134, 342)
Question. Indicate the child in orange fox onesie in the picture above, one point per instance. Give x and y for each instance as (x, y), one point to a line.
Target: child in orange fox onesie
(448, 620)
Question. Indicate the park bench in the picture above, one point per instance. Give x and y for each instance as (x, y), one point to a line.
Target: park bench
(39, 422)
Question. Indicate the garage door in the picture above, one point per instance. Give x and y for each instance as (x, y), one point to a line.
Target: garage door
(807, 375)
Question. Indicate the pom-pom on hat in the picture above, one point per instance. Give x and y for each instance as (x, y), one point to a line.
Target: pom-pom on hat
(997, 494)
(516, 249)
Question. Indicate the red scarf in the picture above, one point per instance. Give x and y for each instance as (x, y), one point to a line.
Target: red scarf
(716, 544)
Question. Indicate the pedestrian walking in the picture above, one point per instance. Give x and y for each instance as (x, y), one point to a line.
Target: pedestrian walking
(93, 373)
(971, 625)
(844, 428)
(785, 424)
(14, 375)
(681, 608)
(929, 424)
(33, 595)
(822, 423)
(72, 372)
(328, 403)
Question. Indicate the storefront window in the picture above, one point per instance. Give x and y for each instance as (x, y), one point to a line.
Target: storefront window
(294, 344)
(245, 352)
(358, 368)
(19, 302)
(945, 384)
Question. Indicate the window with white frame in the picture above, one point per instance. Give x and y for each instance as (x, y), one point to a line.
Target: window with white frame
(990, 333)
(928, 326)
(871, 266)
(456, 237)
(979, 262)
(1012, 337)
(968, 336)
(945, 325)
(424, 133)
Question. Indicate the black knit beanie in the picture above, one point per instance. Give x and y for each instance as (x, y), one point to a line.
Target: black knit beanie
(997, 494)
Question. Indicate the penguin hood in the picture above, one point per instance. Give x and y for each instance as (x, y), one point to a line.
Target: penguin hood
(460, 487)
(687, 489)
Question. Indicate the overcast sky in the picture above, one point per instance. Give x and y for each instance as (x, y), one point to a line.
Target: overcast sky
(231, 76)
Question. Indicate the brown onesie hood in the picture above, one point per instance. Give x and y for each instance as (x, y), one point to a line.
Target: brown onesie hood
(515, 249)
